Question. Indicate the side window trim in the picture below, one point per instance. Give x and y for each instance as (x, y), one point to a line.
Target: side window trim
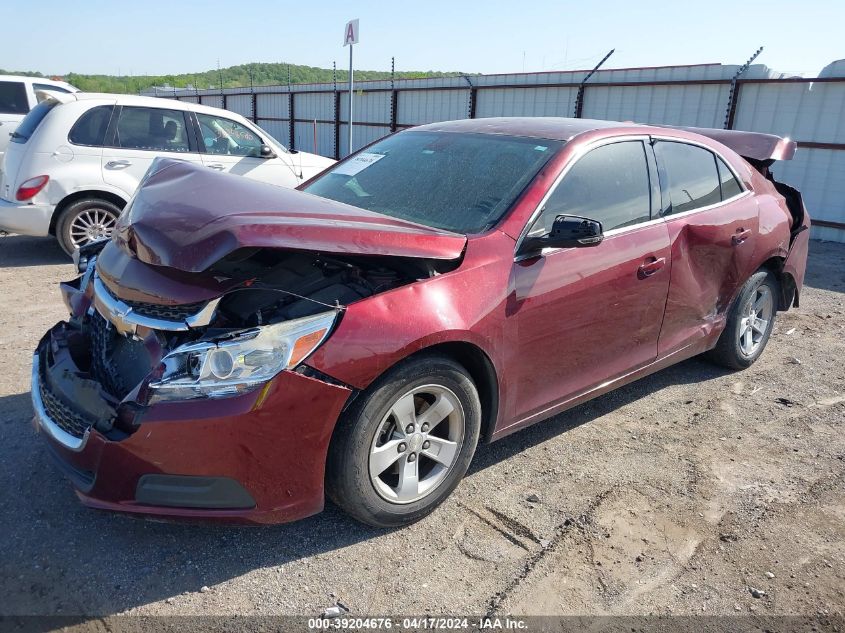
(111, 140)
(664, 178)
(535, 214)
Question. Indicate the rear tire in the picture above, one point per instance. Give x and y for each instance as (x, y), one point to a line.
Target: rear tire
(405, 443)
(750, 323)
(85, 220)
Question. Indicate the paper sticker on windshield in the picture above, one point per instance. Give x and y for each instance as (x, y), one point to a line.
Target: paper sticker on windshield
(359, 163)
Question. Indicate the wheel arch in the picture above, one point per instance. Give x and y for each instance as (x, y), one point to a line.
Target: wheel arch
(81, 195)
(786, 282)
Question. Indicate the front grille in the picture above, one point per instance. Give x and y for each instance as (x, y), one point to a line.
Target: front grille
(62, 414)
(102, 367)
(158, 311)
(168, 313)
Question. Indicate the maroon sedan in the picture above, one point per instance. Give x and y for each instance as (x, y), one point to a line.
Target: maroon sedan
(238, 351)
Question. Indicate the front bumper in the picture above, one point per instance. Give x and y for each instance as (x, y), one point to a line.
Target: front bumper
(254, 458)
(25, 218)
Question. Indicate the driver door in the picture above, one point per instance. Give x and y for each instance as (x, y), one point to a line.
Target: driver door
(234, 148)
(590, 314)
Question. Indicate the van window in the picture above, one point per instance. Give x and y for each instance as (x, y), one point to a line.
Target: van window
(90, 128)
(32, 120)
(692, 175)
(13, 98)
(609, 184)
(154, 129)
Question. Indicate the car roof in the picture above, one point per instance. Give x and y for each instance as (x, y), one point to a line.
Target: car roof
(153, 102)
(40, 80)
(551, 128)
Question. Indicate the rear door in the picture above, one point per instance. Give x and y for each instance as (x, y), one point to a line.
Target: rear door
(713, 224)
(587, 315)
(230, 146)
(137, 135)
(14, 106)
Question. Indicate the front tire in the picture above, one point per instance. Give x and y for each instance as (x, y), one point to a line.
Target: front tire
(750, 323)
(405, 443)
(84, 221)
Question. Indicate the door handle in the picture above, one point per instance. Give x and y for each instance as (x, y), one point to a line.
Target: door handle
(217, 166)
(647, 269)
(118, 164)
(740, 236)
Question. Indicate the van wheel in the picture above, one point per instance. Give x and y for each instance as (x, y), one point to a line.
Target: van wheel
(405, 443)
(750, 323)
(85, 221)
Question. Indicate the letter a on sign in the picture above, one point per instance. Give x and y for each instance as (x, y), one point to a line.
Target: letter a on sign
(350, 33)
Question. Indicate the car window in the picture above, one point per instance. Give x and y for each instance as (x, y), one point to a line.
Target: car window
(90, 128)
(152, 129)
(727, 181)
(609, 184)
(32, 120)
(13, 98)
(455, 181)
(224, 136)
(692, 177)
(36, 87)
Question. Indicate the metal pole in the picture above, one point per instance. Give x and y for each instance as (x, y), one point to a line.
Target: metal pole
(350, 99)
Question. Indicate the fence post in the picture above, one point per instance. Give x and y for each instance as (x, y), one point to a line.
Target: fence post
(394, 96)
(336, 113)
(579, 98)
(291, 128)
(733, 95)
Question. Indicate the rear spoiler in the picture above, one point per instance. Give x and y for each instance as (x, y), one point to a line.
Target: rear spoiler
(751, 145)
(42, 94)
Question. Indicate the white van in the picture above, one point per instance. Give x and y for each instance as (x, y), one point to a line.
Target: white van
(76, 159)
(18, 97)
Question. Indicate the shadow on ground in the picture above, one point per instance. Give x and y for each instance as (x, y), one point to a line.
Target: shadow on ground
(19, 250)
(108, 563)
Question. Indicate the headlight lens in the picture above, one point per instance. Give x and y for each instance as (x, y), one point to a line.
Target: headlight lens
(216, 369)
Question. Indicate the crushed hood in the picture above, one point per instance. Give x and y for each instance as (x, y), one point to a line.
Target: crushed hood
(188, 217)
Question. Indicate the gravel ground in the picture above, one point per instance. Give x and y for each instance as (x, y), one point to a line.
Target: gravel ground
(689, 492)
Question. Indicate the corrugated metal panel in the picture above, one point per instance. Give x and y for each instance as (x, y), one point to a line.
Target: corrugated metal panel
(215, 101)
(807, 112)
(273, 106)
(702, 105)
(525, 102)
(430, 106)
(361, 136)
(242, 104)
(820, 175)
(325, 138)
(369, 107)
(279, 130)
(313, 106)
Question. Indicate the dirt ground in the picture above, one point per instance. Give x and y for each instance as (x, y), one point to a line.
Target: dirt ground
(689, 492)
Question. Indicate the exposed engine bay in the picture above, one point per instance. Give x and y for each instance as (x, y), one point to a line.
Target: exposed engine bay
(109, 369)
(278, 285)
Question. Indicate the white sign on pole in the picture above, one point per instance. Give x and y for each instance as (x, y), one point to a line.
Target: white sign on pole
(350, 33)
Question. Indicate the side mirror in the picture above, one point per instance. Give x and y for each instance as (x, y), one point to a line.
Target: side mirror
(267, 152)
(568, 231)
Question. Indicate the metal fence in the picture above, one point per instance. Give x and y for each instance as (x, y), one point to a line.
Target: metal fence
(314, 117)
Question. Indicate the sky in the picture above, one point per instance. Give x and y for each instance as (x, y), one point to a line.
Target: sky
(496, 36)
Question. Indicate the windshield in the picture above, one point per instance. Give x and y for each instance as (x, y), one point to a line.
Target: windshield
(32, 120)
(458, 182)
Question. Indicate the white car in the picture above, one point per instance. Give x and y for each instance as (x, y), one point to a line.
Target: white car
(76, 159)
(18, 96)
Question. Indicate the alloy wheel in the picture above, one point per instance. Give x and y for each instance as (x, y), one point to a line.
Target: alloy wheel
(90, 225)
(416, 444)
(755, 320)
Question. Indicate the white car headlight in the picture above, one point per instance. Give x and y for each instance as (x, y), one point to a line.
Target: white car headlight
(226, 367)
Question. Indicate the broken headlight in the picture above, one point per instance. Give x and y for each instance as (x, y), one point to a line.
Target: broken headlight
(240, 363)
